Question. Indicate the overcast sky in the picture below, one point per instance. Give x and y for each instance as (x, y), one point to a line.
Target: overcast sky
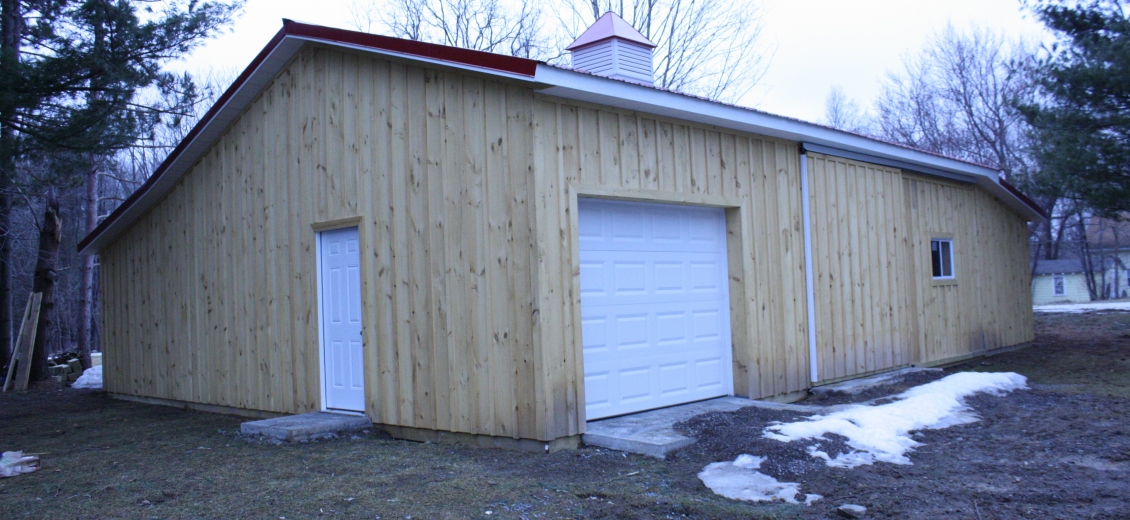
(819, 43)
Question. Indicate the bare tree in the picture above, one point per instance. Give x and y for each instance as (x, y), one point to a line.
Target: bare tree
(843, 113)
(704, 48)
(487, 25)
(710, 49)
(958, 97)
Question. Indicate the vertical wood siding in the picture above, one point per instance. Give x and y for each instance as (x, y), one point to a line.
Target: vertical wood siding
(861, 261)
(212, 298)
(464, 192)
(877, 305)
(990, 304)
(634, 156)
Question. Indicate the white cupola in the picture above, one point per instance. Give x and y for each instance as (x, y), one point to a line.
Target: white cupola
(612, 47)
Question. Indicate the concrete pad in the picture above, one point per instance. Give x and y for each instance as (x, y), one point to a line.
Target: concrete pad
(855, 386)
(296, 428)
(653, 433)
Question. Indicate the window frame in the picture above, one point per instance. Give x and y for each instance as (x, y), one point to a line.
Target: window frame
(1061, 289)
(951, 278)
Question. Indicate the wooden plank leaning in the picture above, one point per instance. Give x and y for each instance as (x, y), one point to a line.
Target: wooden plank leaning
(19, 370)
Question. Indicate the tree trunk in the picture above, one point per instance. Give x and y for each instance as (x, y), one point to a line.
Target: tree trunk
(87, 314)
(11, 29)
(1088, 261)
(50, 235)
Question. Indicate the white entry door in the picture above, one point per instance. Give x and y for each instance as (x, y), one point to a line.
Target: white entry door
(655, 308)
(343, 372)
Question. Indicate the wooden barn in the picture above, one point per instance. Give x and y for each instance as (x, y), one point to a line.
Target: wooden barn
(453, 241)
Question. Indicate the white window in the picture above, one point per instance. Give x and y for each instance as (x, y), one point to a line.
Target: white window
(941, 258)
(1058, 288)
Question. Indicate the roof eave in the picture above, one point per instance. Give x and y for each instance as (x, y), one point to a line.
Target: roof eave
(595, 89)
(259, 73)
(546, 79)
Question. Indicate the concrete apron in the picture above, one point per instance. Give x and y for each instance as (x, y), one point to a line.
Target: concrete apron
(653, 432)
(304, 427)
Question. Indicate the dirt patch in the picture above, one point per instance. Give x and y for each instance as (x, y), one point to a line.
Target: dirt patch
(1065, 440)
(103, 458)
(1058, 450)
(896, 385)
(1033, 453)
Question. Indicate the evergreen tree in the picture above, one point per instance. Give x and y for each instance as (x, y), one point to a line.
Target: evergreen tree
(1081, 113)
(82, 79)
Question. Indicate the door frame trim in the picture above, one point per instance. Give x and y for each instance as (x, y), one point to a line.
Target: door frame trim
(320, 228)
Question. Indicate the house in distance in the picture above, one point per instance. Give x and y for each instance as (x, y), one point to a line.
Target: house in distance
(452, 241)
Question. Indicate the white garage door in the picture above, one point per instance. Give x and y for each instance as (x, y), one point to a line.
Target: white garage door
(655, 310)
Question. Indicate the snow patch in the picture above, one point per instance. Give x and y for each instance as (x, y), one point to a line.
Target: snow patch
(740, 480)
(881, 433)
(91, 378)
(1077, 308)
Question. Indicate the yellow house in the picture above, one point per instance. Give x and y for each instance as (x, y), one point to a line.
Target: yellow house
(448, 240)
(1059, 281)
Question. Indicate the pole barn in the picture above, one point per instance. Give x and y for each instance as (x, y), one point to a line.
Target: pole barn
(458, 243)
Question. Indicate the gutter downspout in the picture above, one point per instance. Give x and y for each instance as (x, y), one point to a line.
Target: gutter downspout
(810, 285)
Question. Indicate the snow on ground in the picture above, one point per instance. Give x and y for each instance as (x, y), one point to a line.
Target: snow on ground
(740, 480)
(91, 378)
(882, 433)
(1075, 308)
(877, 433)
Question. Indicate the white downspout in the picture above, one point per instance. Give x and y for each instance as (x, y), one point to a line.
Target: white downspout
(810, 285)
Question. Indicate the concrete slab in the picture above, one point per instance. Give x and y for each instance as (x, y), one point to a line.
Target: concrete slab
(855, 386)
(652, 433)
(296, 428)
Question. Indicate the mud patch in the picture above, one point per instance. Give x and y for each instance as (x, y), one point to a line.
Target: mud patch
(1032, 454)
(882, 392)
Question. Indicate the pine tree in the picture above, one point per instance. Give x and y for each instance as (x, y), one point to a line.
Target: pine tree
(1081, 118)
(84, 79)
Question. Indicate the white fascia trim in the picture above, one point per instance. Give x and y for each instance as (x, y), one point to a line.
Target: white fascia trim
(594, 89)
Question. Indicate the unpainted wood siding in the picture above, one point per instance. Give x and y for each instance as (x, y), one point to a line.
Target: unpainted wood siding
(590, 150)
(464, 191)
(989, 304)
(865, 318)
(211, 297)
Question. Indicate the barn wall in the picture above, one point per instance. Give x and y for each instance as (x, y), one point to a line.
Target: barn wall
(865, 315)
(589, 150)
(989, 305)
(464, 191)
(211, 297)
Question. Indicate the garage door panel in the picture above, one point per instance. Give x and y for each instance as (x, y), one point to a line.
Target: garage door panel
(654, 305)
(633, 226)
(663, 381)
(664, 326)
(608, 279)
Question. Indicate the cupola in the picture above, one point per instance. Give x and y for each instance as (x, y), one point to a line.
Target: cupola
(612, 47)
